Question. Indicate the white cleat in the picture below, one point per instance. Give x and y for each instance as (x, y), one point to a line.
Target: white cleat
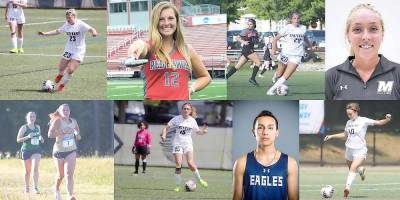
(260, 75)
(271, 93)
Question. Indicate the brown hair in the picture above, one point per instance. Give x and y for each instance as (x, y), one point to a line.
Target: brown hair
(353, 106)
(359, 7)
(194, 112)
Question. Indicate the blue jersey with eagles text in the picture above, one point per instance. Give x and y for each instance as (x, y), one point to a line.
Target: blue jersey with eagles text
(265, 182)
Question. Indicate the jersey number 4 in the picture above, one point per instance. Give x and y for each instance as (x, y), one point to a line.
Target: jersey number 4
(171, 79)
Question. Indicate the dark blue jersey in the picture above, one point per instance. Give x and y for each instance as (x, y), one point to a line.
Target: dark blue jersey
(265, 182)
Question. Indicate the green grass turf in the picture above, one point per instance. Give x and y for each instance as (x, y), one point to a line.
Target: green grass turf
(302, 85)
(381, 183)
(133, 90)
(93, 179)
(21, 75)
(159, 182)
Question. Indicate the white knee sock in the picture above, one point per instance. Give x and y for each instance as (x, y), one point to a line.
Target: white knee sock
(14, 41)
(197, 175)
(178, 179)
(350, 179)
(20, 42)
(280, 81)
(66, 78)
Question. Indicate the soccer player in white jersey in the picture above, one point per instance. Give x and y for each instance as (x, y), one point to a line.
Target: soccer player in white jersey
(74, 50)
(16, 19)
(185, 124)
(356, 146)
(291, 53)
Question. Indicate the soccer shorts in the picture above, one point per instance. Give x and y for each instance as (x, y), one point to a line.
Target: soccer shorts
(18, 19)
(285, 59)
(356, 153)
(74, 55)
(180, 148)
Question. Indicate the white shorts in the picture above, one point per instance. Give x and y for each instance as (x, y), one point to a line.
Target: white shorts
(285, 59)
(356, 153)
(79, 55)
(19, 20)
(181, 148)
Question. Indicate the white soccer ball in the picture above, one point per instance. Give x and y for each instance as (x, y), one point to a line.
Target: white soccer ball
(282, 90)
(190, 186)
(48, 86)
(327, 191)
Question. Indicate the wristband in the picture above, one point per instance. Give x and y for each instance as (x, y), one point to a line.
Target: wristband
(76, 132)
(192, 89)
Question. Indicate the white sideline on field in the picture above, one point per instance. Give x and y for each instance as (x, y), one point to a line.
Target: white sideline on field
(49, 22)
(47, 55)
(339, 184)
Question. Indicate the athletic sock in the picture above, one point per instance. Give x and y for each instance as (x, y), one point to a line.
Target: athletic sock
(136, 165)
(231, 71)
(196, 174)
(279, 82)
(144, 165)
(255, 71)
(14, 41)
(20, 42)
(263, 71)
(350, 179)
(66, 78)
(178, 180)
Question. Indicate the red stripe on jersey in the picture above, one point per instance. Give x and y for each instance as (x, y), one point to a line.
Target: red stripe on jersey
(167, 83)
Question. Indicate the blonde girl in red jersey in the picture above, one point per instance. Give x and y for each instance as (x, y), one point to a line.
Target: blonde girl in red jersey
(170, 60)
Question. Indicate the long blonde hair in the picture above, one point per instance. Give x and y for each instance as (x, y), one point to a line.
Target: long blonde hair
(356, 8)
(156, 39)
(56, 114)
(194, 110)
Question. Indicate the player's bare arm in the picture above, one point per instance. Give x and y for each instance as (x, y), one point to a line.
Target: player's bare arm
(339, 135)
(381, 122)
(292, 179)
(238, 172)
(200, 71)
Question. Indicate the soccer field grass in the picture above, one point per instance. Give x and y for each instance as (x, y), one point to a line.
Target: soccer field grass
(93, 179)
(21, 75)
(302, 85)
(133, 90)
(159, 182)
(381, 183)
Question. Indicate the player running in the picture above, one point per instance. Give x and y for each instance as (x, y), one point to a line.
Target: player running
(141, 146)
(16, 19)
(74, 50)
(170, 59)
(265, 173)
(356, 145)
(29, 135)
(291, 53)
(66, 132)
(248, 38)
(185, 124)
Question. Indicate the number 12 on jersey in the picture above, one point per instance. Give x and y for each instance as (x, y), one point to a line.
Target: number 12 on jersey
(171, 79)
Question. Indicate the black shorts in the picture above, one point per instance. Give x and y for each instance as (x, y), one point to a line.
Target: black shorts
(26, 154)
(246, 52)
(62, 155)
(142, 150)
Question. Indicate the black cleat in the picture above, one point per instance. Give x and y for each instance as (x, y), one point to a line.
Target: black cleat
(254, 82)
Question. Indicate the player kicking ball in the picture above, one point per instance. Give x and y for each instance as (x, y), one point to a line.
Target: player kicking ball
(356, 145)
(75, 48)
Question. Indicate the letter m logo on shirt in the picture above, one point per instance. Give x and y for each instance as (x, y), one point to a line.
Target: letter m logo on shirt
(384, 87)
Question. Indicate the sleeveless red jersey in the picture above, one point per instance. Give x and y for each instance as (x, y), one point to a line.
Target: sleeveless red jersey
(166, 83)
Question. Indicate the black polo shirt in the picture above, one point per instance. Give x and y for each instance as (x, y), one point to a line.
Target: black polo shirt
(344, 83)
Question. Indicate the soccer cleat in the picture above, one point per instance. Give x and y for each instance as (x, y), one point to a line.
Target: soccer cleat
(72, 198)
(35, 191)
(203, 183)
(346, 192)
(143, 172)
(14, 50)
(271, 93)
(362, 173)
(58, 78)
(21, 50)
(136, 172)
(26, 190)
(177, 189)
(260, 75)
(57, 195)
(254, 82)
(60, 88)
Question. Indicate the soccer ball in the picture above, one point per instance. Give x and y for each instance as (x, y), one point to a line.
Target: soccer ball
(190, 186)
(282, 90)
(48, 86)
(327, 191)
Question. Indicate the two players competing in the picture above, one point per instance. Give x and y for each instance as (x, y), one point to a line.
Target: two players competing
(356, 145)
